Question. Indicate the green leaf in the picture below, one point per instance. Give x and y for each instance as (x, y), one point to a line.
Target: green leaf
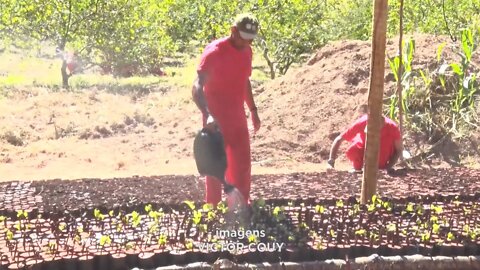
(190, 204)
(9, 235)
(207, 207)
(197, 217)
(457, 68)
(339, 203)
(360, 232)
(319, 209)
(450, 236)
(276, 210)
(162, 240)
(440, 50)
(105, 239)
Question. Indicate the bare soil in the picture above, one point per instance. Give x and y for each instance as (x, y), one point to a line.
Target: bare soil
(96, 133)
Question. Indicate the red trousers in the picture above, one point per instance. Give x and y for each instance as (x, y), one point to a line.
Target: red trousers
(355, 154)
(237, 147)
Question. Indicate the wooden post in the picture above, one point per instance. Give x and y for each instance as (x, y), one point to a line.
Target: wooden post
(375, 99)
(400, 75)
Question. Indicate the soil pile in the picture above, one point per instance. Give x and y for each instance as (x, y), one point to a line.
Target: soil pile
(303, 111)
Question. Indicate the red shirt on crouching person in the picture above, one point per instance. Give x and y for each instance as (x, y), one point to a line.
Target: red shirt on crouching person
(390, 144)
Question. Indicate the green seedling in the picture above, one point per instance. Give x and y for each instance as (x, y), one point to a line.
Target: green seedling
(339, 203)
(98, 215)
(190, 204)
(9, 235)
(152, 227)
(252, 239)
(222, 207)
(162, 240)
(189, 244)
(22, 214)
(409, 207)
(129, 245)
(425, 237)
(136, 219)
(62, 227)
(450, 236)
(197, 217)
(52, 247)
(391, 227)
(319, 209)
(436, 209)
(105, 240)
(360, 232)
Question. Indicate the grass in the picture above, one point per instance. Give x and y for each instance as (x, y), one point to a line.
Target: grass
(25, 69)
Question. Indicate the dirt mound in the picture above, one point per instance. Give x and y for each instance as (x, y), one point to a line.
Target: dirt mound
(307, 108)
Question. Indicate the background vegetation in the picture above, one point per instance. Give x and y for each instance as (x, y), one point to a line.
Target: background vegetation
(139, 37)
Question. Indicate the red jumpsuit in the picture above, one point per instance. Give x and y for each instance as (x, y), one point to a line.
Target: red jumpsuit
(357, 135)
(227, 72)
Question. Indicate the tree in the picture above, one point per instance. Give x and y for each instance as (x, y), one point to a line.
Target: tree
(114, 34)
(288, 29)
(58, 21)
(130, 37)
(375, 99)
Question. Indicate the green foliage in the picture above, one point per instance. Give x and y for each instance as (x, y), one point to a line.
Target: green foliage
(441, 100)
(349, 19)
(127, 37)
(105, 240)
(408, 49)
(288, 29)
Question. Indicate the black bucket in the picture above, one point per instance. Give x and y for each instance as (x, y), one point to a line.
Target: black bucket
(209, 153)
(211, 159)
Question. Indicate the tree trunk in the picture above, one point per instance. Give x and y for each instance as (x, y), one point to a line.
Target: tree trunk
(400, 75)
(63, 70)
(375, 98)
(269, 63)
(65, 76)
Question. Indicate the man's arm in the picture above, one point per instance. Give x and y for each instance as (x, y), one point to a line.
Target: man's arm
(251, 106)
(334, 150)
(249, 97)
(198, 95)
(396, 155)
(199, 99)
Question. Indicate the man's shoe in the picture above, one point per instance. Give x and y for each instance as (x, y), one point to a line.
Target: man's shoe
(355, 171)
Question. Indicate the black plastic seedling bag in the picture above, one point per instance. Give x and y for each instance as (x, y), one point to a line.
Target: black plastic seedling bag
(209, 152)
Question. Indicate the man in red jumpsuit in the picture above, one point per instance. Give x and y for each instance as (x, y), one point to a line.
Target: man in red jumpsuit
(390, 144)
(220, 91)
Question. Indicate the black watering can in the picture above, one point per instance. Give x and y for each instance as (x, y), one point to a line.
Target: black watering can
(210, 156)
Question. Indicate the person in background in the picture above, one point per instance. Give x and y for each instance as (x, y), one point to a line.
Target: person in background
(390, 144)
(220, 90)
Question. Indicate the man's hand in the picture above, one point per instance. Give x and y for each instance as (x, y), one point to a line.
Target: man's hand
(211, 124)
(255, 120)
(331, 163)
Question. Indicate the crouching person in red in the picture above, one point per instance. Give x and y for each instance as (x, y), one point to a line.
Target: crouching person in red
(220, 91)
(390, 144)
